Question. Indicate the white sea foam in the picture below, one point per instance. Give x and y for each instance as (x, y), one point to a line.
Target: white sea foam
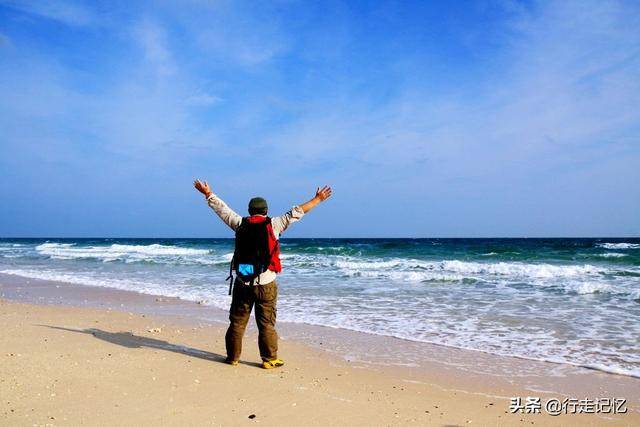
(528, 343)
(612, 255)
(75, 278)
(619, 245)
(590, 288)
(113, 252)
(410, 276)
(522, 269)
(154, 249)
(510, 269)
(581, 278)
(126, 284)
(14, 250)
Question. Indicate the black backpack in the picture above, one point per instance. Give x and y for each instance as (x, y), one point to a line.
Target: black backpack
(251, 256)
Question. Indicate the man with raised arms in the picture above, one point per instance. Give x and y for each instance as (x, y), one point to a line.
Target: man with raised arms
(256, 262)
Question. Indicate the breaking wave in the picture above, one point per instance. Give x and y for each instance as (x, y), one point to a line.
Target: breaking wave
(619, 245)
(128, 253)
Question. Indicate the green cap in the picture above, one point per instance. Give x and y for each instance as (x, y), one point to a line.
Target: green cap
(257, 203)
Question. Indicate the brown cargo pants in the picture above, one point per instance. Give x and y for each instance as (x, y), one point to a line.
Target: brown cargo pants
(244, 297)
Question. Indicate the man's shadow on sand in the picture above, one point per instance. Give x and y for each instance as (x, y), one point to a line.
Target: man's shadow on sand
(129, 340)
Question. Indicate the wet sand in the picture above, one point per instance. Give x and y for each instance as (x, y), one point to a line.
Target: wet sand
(126, 364)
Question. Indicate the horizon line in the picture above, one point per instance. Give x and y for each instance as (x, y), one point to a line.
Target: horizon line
(292, 238)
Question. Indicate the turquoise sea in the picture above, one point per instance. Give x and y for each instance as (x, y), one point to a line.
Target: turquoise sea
(573, 301)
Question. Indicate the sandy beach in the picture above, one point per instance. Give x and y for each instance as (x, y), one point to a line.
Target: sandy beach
(64, 365)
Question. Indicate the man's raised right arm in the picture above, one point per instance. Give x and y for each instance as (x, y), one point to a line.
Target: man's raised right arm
(226, 214)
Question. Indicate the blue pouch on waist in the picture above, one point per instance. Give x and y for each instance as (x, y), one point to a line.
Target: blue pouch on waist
(245, 269)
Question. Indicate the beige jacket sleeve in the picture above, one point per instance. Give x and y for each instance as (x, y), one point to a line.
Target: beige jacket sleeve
(282, 222)
(226, 214)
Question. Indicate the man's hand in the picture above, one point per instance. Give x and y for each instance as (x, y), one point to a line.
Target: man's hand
(323, 193)
(202, 187)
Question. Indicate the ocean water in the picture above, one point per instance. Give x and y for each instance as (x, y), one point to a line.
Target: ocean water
(573, 301)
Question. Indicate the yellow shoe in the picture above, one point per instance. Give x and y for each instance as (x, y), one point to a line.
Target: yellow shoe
(270, 364)
(231, 362)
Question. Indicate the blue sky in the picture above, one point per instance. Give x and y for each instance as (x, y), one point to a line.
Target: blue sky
(429, 119)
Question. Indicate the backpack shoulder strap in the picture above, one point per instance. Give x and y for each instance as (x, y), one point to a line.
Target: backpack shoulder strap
(233, 258)
(230, 276)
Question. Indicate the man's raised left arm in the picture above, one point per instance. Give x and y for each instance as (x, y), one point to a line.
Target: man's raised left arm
(280, 223)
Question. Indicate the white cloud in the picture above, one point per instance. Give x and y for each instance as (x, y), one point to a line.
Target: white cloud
(248, 34)
(152, 38)
(4, 40)
(567, 80)
(241, 45)
(202, 100)
(69, 13)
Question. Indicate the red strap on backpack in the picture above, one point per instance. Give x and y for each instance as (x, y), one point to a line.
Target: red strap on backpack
(274, 245)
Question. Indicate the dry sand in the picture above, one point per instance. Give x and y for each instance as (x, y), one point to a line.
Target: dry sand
(69, 366)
